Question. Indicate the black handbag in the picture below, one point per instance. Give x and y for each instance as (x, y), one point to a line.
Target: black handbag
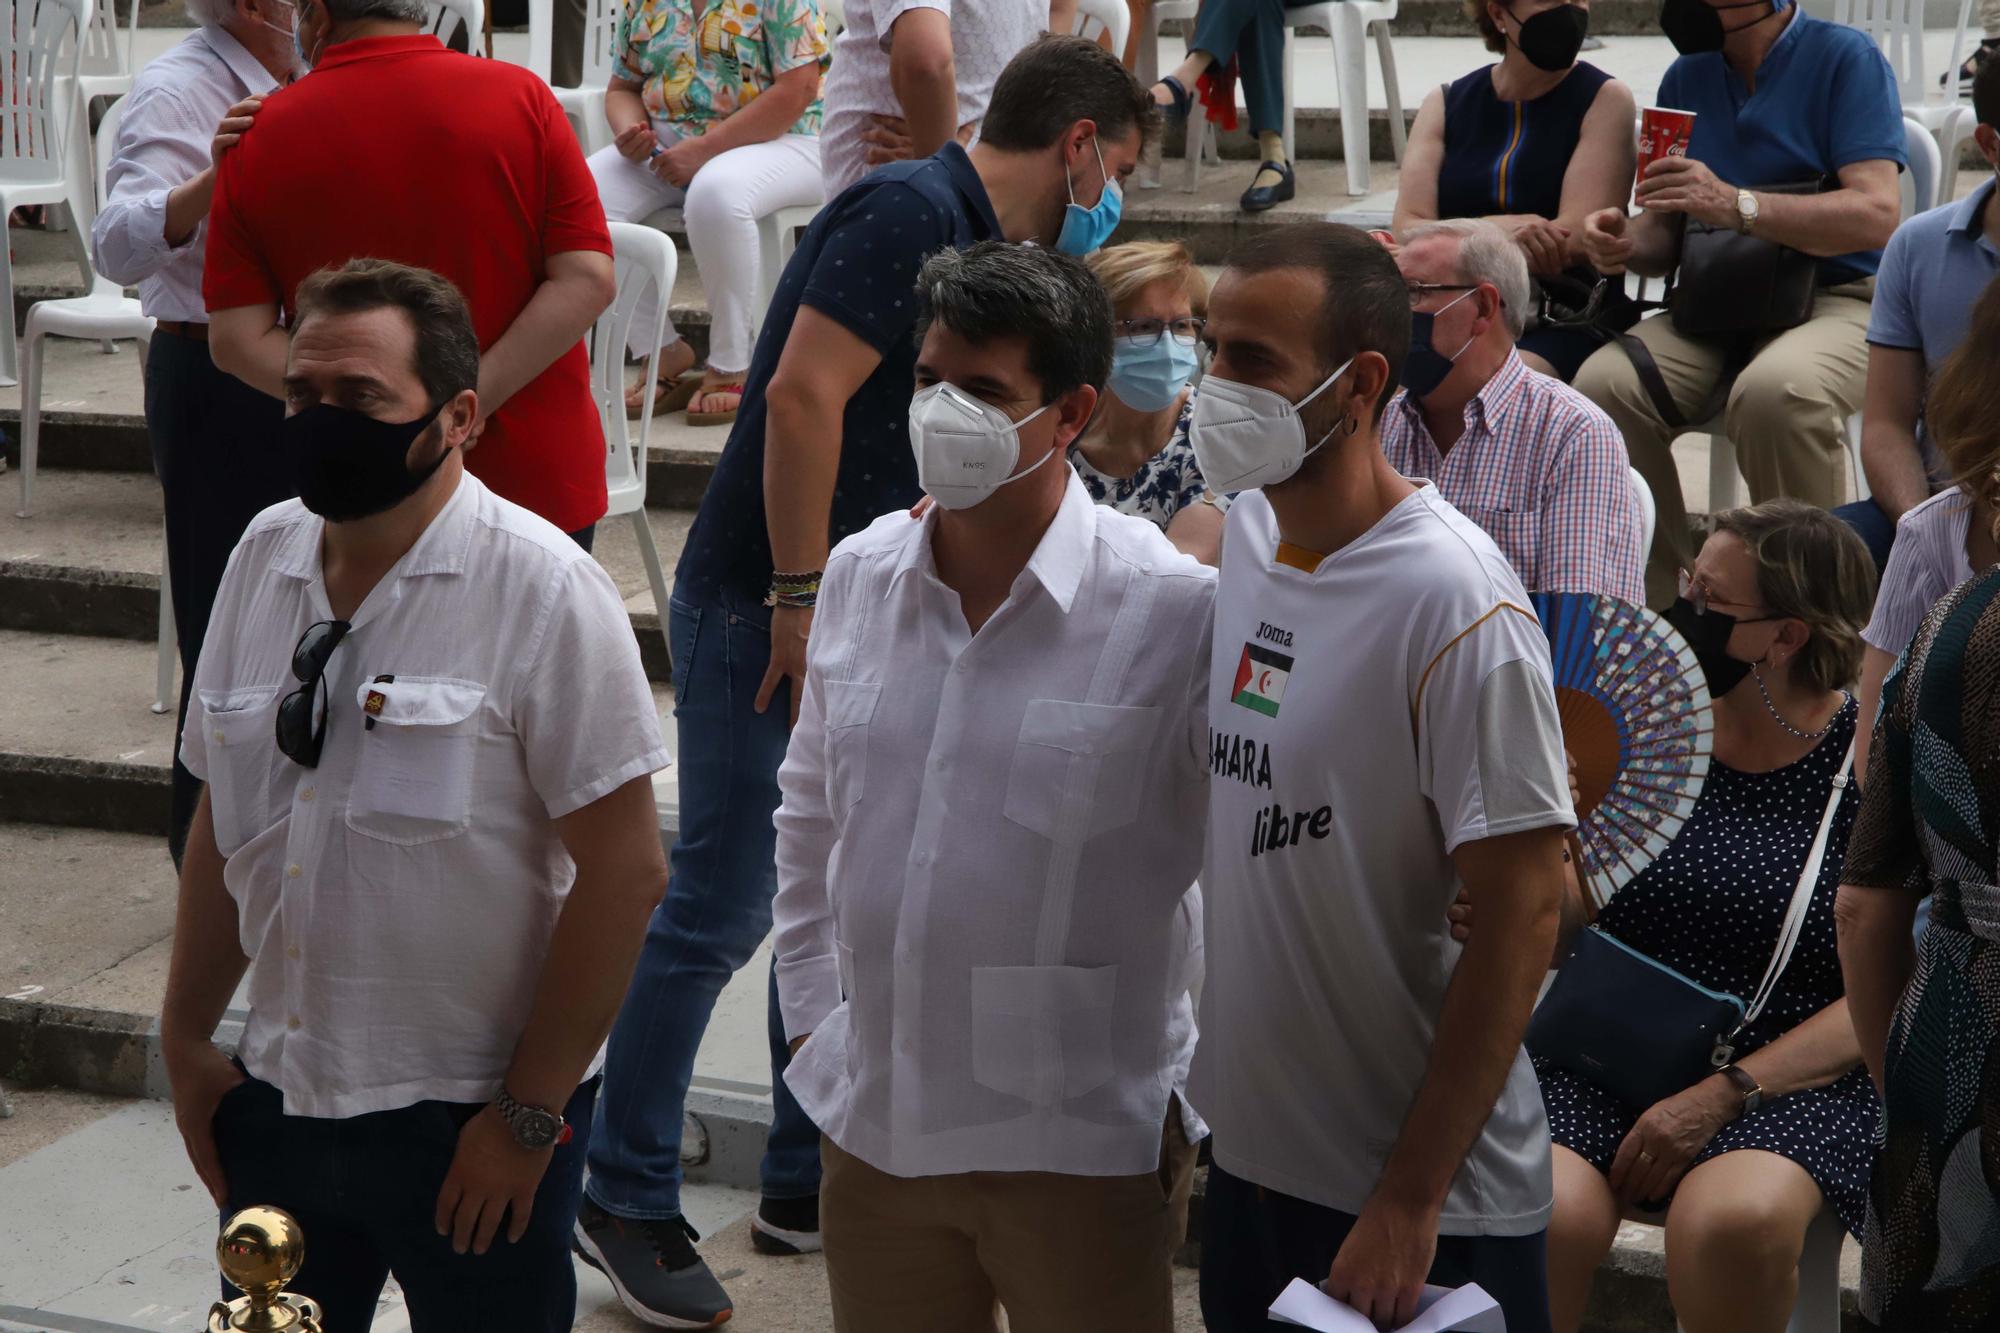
(1644, 1032)
(1733, 287)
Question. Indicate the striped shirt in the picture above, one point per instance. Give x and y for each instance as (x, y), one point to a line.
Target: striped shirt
(1544, 472)
(1927, 561)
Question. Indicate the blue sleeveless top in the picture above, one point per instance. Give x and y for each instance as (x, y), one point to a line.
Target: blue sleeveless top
(1509, 157)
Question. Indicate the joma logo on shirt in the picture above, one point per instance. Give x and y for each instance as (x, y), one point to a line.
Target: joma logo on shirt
(1239, 757)
(1270, 633)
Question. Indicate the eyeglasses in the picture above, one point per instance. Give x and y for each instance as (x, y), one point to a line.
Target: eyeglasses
(1701, 596)
(302, 713)
(1422, 290)
(1146, 332)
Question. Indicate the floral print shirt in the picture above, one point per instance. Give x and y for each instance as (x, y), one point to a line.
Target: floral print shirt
(697, 61)
(1165, 484)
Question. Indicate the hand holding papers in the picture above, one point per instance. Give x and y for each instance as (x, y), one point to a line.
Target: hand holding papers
(1468, 1309)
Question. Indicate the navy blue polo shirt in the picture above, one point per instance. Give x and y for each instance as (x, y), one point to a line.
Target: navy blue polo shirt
(856, 264)
(1825, 99)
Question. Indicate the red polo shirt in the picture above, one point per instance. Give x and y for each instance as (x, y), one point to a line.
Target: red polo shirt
(395, 148)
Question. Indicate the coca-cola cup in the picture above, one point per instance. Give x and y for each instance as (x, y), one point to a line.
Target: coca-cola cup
(1663, 132)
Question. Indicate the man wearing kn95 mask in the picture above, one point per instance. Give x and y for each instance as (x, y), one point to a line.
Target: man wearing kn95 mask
(1384, 734)
(992, 813)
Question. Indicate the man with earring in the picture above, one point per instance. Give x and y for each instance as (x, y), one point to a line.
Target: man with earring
(429, 825)
(993, 810)
(1379, 682)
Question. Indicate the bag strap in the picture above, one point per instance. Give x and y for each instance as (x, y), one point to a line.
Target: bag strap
(1795, 915)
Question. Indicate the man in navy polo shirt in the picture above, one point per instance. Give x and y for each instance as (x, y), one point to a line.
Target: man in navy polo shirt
(1936, 266)
(820, 449)
(1780, 98)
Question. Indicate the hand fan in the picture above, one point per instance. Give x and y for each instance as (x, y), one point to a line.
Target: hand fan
(1637, 719)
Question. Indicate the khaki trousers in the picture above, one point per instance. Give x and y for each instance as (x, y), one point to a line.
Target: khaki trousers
(1786, 414)
(1063, 1254)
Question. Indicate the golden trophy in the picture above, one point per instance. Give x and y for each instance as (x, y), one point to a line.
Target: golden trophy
(260, 1250)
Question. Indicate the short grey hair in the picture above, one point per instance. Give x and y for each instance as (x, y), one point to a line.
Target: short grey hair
(997, 289)
(207, 12)
(1487, 254)
(402, 11)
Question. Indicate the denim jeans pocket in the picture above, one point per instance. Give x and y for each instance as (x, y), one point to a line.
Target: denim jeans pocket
(683, 629)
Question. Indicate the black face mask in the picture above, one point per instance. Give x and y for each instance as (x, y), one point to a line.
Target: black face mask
(1707, 633)
(349, 465)
(1425, 367)
(1551, 39)
(1694, 26)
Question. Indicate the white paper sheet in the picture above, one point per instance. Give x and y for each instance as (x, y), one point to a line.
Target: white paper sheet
(1467, 1309)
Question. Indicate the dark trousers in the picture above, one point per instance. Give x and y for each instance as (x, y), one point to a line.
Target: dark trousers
(1255, 31)
(1255, 1241)
(215, 448)
(1873, 525)
(365, 1190)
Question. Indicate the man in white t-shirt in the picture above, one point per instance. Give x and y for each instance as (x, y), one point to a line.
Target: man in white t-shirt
(1382, 733)
(909, 74)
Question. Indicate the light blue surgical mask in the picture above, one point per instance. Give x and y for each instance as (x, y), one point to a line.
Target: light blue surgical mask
(1148, 376)
(1086, 229)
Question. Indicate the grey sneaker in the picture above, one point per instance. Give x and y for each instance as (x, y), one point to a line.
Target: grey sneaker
(653, 1266)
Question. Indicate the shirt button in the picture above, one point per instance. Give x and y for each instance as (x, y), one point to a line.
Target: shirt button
(293, 1023)
(923, 858)
(292, 951)
(294, 871)
(962, 666)
(218, 738)
(306, 794)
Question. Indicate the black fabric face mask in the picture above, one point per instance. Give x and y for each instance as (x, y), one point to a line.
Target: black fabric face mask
(349, 465)
(1551, 39)
(1707, 633)
(1694, 26)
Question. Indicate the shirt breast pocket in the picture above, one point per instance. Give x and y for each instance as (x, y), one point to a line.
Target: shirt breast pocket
(1078, 768)
(245, 791)
(413, 782)
(848, 708)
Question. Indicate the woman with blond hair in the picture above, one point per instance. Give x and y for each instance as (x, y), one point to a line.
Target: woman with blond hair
(1941, 542)
(1134, 454)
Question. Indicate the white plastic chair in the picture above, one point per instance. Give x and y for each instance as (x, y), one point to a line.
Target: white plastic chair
(1200, 134)
(37, 47)
(645, 259)
(1920, 193)
(1649, 513)
(1101, 16)
(1897, 26)
(777, 236)
(584, 104)
(102, 316)
(448, 16)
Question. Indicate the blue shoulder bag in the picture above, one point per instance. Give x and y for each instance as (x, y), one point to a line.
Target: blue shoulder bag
(1644, 1032)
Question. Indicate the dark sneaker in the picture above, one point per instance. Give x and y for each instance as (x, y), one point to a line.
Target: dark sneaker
(653, 1266)
(786, 1226)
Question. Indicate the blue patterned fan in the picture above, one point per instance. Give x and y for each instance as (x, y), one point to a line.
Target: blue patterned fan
(1637, 720)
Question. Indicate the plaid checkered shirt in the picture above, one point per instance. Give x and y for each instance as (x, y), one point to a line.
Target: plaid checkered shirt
(1544, 472)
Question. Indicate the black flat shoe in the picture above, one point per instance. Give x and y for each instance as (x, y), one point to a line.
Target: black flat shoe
(1260, 197)
(1177, 112)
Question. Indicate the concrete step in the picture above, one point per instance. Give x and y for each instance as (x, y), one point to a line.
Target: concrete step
(89, 561)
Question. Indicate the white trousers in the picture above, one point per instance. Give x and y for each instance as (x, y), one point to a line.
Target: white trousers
(721, 205)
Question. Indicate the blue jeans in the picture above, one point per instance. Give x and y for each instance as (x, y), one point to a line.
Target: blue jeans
(365, 1192)
(1876, 530)
(1255, 1241)
(716, 912)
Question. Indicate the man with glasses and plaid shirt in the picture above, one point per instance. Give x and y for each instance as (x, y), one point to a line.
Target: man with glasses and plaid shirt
(1533, 462)
(429, 822)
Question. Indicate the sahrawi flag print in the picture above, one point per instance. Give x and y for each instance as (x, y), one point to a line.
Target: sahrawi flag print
(1260, 679)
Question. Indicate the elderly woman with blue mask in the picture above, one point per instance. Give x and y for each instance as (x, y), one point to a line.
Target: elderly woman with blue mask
(1134, 455)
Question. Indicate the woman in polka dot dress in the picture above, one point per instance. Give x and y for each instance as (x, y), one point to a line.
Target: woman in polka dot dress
(1742, 1161)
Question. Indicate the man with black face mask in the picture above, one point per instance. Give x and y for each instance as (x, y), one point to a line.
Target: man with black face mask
(428, 743)
(1779, 98)
(1524, 456)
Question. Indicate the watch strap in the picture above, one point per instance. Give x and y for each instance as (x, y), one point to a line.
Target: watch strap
(1745, 1083)
(511, 1111)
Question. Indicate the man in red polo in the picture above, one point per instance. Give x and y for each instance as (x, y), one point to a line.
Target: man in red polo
(395, 148)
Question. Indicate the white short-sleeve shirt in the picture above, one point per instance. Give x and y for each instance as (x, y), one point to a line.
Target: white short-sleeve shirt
(397, 900)
(1367, 717)
(1927, 561)
(985, 35)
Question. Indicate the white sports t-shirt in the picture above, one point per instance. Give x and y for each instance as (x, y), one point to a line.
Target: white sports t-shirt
(1365, 718)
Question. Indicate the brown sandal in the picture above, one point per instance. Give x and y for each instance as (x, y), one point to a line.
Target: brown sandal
(722, 418)
(671, 396)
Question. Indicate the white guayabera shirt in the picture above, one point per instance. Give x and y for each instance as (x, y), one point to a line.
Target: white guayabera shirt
(985, 851)
(396, 901)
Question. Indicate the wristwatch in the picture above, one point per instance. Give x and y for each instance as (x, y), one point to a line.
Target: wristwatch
(534, 1127)
(1742, 1080)
(1746, 211)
